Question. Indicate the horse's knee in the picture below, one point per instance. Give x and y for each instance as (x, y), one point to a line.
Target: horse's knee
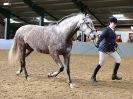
(61, 69)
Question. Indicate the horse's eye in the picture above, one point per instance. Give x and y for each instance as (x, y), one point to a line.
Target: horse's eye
(85, 19)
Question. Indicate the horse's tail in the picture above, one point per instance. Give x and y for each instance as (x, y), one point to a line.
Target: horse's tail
(12, 56)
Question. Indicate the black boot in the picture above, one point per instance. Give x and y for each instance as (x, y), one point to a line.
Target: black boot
(114, 75)
(93, 77)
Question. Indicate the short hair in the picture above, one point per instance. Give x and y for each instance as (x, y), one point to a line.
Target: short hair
(113, 19)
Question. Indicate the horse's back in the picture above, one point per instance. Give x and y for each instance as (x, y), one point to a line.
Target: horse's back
(24, 30)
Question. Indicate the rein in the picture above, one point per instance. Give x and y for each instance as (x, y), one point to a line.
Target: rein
(94, 42)
(92, 30)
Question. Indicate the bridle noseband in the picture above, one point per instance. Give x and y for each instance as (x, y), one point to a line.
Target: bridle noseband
(92, 30)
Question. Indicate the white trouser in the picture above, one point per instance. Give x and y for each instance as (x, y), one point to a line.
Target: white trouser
(103, 56)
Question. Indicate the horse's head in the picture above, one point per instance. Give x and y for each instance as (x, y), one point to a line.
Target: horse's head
(86, 25)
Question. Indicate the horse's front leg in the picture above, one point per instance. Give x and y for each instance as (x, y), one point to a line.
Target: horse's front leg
(67, 64)
(56, 58)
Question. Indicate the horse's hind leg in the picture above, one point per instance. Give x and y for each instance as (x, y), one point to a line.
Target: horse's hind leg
(22, 51)
(28, 50)
(56, 58)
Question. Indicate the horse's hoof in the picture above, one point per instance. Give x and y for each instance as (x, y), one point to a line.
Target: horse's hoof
(50, 74)
(71, 85)
(28, 78)
(17, 73)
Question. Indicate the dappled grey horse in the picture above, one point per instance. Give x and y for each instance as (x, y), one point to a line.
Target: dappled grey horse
(55, 39)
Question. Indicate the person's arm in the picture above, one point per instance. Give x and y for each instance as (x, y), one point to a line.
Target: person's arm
(102, 36)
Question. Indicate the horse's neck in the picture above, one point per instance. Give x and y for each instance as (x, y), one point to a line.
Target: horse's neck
(70, 22)
(69, 26)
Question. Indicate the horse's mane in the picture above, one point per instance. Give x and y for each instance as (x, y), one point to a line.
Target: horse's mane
(53, 23)
(71, 15)
(57, 22)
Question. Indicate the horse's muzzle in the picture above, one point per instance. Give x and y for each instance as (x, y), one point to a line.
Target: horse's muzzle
(93, 38)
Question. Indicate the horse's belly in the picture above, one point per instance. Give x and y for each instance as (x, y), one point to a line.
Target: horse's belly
(39, 47)
(46, 51)
(42, 49)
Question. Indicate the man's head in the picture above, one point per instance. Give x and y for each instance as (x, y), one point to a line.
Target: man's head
(113, 21)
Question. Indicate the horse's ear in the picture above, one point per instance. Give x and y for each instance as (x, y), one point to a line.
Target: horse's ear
(86, 12)
(87, 15)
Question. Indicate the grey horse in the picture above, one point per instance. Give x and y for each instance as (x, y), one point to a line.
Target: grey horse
(54, 39)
